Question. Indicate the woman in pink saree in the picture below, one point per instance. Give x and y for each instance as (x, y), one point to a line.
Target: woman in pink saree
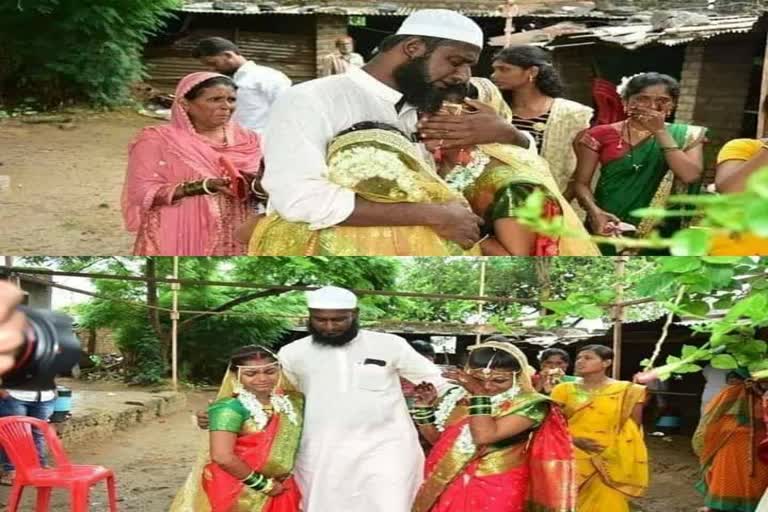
(189, 182)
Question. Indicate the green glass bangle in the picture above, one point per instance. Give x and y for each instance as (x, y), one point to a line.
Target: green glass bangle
(256, 481)
(425, 421)
(479, 400)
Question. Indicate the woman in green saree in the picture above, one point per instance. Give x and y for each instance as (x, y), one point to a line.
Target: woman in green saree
(642, 161)
(255, 426)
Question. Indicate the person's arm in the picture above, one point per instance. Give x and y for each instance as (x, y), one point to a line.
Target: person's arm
(451, 221)
(687, 165)
(637, 414)
(486, 429)
(587, 160)
(299, 190)
(327, 68)
(226, 423)
(485, 126)
(223, 454)
(13, 324)
(732, 174)
(414, 367)
(517, 239)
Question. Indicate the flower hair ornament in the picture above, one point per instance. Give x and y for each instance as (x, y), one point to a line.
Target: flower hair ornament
(622, 87)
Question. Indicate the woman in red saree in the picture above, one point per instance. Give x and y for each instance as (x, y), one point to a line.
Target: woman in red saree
(498, 445)
(731, 445)
(188, 182)
(255, 427)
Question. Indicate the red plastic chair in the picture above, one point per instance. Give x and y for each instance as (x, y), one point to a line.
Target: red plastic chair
(18, 443)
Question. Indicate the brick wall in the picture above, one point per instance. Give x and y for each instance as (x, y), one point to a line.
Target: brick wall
(715, 84)
(329, 28)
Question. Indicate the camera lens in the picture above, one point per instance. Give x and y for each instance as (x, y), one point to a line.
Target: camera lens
(52, 349)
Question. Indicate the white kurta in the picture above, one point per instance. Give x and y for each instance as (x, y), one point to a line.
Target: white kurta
(302, 123)
(258, 87)
(359, 450)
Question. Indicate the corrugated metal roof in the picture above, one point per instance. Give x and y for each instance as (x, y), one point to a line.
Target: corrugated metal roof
(639, 35)
(535, 9)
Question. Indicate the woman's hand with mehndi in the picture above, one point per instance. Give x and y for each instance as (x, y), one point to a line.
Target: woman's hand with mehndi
(219, 185)
(588, 445)
(276, 489)
(651, 120)
(473, 385)
(425, 395)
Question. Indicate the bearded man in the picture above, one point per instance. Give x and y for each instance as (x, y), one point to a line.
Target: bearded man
(359, 449)
(430, 56)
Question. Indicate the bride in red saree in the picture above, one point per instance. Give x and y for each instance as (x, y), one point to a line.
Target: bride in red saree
(498, 445)
(255, 427)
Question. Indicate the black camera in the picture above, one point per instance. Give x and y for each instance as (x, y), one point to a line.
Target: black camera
(51, 348)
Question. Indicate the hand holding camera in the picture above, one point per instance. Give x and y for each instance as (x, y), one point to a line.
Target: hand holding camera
(13, 324)
(35, 345)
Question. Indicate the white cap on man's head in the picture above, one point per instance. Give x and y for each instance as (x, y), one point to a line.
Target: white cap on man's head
(443, 24)
(331, 297)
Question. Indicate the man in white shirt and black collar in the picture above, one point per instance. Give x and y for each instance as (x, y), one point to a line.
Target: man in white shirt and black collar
(257, 86)
(433, 51)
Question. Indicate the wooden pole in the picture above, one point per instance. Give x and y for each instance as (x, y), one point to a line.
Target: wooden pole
(761, 113)
(175, 326)
(618, 316)
(482, 293)
(510, 11)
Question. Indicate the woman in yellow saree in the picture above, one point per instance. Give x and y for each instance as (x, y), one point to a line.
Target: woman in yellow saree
(604, 418)
(380, 164)
(728, 443)
(498, 178)
(498, 445)
(254, 432)
(737, 161)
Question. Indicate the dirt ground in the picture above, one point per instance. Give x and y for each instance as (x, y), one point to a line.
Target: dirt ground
(151, 462)
(64, 196)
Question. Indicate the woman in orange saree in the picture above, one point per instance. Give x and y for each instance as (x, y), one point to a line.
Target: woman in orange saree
(255, 427)
(728, 443)
(604, 418)
(498, 445)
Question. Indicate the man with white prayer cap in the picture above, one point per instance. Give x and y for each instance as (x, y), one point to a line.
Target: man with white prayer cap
(359, 450)
(430, 56)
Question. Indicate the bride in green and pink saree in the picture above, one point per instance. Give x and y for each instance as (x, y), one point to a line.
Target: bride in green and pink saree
(498, 445)
(642, 161)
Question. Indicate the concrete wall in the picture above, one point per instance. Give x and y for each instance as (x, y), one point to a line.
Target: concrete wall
(329, 28)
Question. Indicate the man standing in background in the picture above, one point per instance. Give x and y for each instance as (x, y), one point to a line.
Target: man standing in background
(343, 59)
(257, 86)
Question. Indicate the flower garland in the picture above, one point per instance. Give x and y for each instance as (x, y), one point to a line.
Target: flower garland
(355, 165)
(280, 404)
(462, 177)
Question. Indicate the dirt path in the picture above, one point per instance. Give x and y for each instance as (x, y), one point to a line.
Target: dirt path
(64, 197)
(152, 461)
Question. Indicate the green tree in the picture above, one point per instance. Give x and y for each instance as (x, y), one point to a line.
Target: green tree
(71, 50)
